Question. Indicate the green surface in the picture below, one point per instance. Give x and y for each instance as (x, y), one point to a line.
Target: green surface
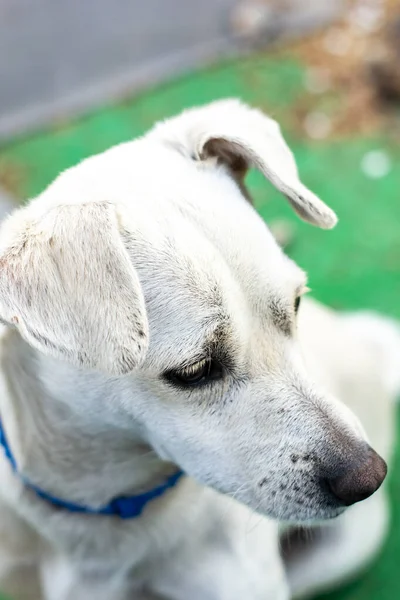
(356, 265)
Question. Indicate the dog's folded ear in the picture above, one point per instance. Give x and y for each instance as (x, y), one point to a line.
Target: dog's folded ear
(244, 137)
(68, 285)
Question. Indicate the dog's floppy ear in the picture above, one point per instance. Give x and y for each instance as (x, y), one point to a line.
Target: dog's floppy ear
(68, 285)
(241, 137)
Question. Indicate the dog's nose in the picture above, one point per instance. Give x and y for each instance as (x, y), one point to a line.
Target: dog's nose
(359, 483)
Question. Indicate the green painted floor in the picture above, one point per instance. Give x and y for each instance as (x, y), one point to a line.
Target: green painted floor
(357, 265)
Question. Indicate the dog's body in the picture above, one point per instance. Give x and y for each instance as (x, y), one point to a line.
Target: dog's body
(122, 287)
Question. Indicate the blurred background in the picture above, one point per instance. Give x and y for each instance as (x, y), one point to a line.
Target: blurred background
(79, 76)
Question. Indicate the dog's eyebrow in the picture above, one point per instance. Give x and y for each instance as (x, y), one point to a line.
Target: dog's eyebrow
(215, 343)
(218, 343)
(281, 316)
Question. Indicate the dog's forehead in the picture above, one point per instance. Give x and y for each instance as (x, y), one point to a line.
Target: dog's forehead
(203, 254)
(195, 205)
(209, 200)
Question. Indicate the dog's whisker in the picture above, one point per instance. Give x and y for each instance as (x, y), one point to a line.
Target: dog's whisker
(243, 488)
(233, 495)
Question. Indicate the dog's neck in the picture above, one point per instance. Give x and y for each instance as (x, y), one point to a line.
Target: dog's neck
(61, 448)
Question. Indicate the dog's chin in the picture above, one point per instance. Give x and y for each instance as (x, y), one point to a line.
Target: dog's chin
(305, 511)
(313, 518)
(307, 516)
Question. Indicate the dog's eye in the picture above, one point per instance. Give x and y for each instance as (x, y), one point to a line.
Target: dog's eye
(297, 304)
(199, 373)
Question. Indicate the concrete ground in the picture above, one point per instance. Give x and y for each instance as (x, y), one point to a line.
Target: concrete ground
(60, 57)
(7, 204)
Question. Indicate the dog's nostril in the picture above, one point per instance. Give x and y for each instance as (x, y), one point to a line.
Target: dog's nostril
(360, 482)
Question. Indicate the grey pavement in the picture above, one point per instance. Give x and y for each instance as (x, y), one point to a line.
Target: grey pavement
(59, 57)
(7, 204)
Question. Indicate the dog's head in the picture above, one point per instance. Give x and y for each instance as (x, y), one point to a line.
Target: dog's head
(148, 264)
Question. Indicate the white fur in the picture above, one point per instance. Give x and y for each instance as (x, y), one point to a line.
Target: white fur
(126, 267)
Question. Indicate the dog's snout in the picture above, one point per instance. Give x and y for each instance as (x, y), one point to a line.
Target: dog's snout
(359, 482)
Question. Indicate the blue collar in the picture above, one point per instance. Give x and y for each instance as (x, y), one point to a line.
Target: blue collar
(125, 507)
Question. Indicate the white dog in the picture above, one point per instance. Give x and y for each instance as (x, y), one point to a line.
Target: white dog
(150, 326)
